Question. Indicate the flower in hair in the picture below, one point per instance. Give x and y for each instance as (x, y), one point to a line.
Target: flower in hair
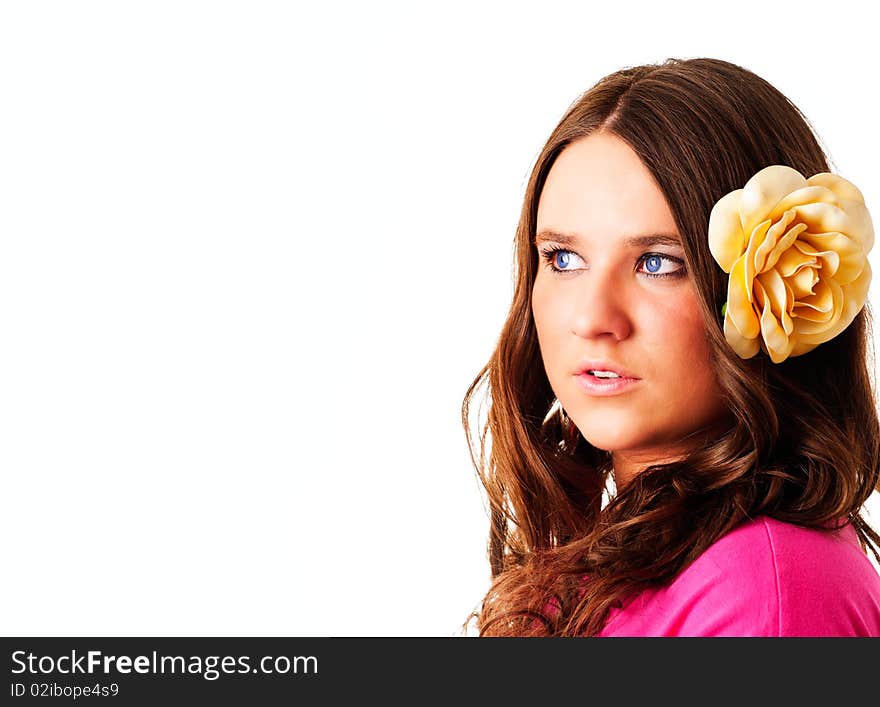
(796, 250)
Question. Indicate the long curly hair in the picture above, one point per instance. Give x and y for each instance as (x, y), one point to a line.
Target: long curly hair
(803, 445)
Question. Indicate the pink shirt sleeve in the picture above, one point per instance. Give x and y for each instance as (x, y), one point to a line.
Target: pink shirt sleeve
(764, 578)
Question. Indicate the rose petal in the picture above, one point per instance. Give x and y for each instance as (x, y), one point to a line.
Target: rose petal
(793, 259)
(787, 321)
(745, 347)
(777, 355)
(853, 297)
(771, 239)
(774, 289)
(774, 337)
(828, 260)
(850, 254)
(755, 240)
(739, 307)
(802, 282)
(801, 347)
(822, 299)
(861, 228)
(726, 238)
(821, 314)
(843, 188)
(804, 195)
(764, 190)
(821, 218)
(784, 244)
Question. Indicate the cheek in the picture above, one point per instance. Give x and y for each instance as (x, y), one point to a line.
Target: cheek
(550, 325)
(543, 312)
(549, 313)
(673, 318)
(678, 335)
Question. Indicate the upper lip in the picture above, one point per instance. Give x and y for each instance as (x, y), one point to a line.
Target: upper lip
(595, 365)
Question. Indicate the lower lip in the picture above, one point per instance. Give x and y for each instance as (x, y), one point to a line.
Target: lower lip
(605, 386)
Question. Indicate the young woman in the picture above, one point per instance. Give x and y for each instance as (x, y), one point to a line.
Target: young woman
(682, 430)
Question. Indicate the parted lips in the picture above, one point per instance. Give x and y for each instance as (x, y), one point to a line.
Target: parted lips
(796, 250)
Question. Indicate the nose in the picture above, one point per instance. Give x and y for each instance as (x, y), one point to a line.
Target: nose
(601, 307)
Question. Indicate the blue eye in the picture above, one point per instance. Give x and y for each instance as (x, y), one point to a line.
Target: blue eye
(558, 264)
(653, 263)
(562, 261)
(559, 259)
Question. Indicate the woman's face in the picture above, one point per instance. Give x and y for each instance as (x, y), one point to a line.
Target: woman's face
(623, 300)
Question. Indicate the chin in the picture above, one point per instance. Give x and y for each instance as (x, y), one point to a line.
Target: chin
(611, 442)
(612, 435)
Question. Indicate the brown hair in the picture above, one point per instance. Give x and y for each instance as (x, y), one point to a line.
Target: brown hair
(804, 443)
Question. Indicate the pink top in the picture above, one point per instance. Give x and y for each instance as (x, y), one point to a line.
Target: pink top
(764, 578)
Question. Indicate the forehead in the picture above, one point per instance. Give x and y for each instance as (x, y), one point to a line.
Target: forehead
(598, 185)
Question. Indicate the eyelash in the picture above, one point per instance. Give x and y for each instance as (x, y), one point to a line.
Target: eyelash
(549, 255)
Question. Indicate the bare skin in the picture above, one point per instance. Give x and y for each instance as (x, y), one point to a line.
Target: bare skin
(610, 303)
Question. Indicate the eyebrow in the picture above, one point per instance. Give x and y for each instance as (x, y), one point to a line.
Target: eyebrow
(630, 242)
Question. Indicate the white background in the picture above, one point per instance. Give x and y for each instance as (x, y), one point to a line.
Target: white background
(253, 253)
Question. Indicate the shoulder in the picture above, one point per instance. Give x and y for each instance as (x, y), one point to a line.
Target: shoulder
(766, 578)
(772, 578)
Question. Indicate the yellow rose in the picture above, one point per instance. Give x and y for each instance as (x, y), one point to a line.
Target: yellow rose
(796, 250)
